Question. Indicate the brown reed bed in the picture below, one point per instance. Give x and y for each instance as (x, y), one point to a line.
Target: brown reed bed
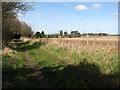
(108, 44)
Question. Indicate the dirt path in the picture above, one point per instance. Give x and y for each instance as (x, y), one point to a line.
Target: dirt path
(39, 76)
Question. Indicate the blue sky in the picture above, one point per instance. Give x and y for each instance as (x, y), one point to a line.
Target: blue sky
(86, 17)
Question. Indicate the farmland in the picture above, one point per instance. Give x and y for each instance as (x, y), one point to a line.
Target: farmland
(59, 45)
(65, 62)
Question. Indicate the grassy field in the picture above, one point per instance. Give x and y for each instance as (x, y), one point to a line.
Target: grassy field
(71, 70)
(63, 66)
(107, 44)
(16, 72)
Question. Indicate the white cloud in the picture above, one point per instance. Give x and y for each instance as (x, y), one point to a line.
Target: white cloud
(115, 14)
(24, 21)
(96, 5)
(81, 7)
(32, 1)
(20, 14)
(21, 20)
(28, 23)
(39, 14)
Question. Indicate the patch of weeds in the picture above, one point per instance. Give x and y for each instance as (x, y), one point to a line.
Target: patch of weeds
(65, 49)
(82, 53)
(6, 56)
(113, 57)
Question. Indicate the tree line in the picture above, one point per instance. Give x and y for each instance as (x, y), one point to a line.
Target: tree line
(11, 26)
(65, 34)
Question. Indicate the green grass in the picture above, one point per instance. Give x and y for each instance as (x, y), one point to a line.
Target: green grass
(75, 70)
(61, 66)
(104, 61)
(43, 59)
(16, 72)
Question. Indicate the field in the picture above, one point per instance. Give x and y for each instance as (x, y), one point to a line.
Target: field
(85, 62)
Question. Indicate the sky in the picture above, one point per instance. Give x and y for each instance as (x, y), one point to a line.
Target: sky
(85, 17)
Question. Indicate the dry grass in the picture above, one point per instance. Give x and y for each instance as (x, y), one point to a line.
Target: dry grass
(9, 51)
(108, 44)
(30, 39)
(101, 50)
